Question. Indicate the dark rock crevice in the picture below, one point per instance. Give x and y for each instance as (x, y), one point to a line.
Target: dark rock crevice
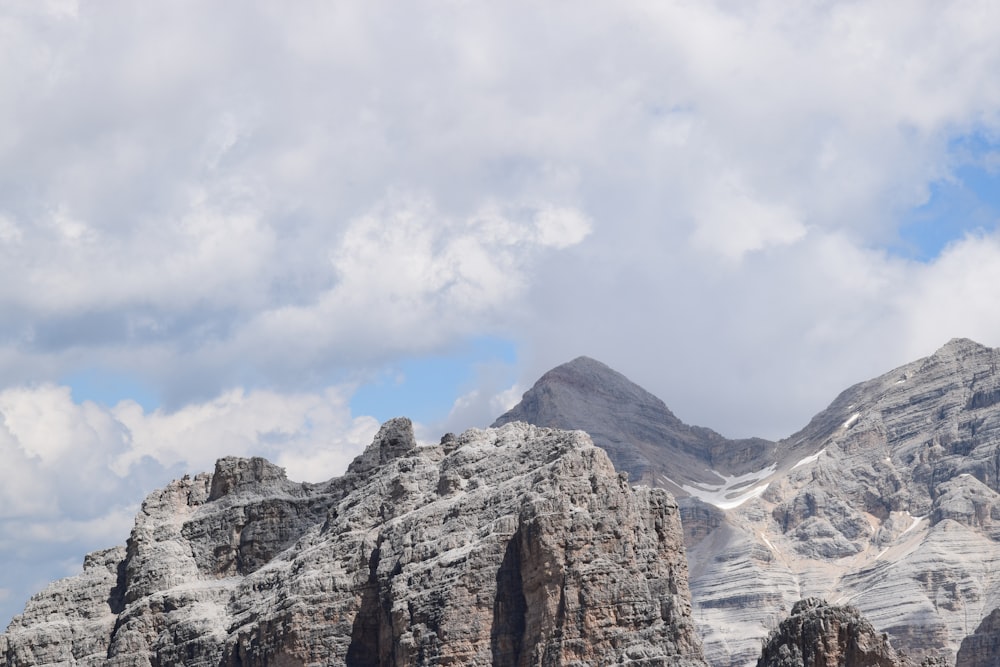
(509, 608)
(363, 650)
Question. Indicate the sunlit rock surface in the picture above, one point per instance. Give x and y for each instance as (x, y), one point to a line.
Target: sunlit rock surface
(515, 546)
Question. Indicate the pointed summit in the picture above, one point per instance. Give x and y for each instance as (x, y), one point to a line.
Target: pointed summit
(641, 435)
(566, 390)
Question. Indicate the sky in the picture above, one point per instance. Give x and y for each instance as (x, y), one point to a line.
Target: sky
(261, 228)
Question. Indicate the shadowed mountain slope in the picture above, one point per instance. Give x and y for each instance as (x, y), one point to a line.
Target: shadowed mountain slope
(641, 435)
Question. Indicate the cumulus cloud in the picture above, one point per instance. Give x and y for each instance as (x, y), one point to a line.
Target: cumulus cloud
(959, 288)
(479, 407)
(292, 192)
(314, 431)
(409, 277)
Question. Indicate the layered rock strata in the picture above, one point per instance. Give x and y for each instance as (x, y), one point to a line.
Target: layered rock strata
(889, 506)
(817, 634)
(515, 546)
(888, 500)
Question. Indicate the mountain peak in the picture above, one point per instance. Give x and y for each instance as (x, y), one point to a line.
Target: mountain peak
(641, 435)
(960, 347)
(584, 360)
(587, 375)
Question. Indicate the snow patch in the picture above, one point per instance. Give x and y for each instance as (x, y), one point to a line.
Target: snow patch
(809, 459)
(768, 543)
(850, 420)
(734, 490)
(916, 521)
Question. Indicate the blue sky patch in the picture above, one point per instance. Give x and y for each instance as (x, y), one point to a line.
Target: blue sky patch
(966, 202)
(424, 388)
(109, 388)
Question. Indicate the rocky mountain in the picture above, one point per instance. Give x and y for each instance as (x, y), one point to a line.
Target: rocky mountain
(504, 547)
(887, 500)
(817, 633)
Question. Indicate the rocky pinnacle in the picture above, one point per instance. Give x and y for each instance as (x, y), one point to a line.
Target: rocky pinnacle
(817, 634)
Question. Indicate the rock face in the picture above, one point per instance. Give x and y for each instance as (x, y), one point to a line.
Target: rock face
(515, 546)
(72, 622)
(888, 500)
(890, 504)
(982, 648)
(817, 634)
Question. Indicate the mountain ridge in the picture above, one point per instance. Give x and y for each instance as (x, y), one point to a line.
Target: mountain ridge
(888, 498)
(506, 547)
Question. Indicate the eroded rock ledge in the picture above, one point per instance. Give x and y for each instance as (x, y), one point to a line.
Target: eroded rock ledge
(509, 546)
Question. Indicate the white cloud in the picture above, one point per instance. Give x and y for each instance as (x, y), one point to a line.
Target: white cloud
(55, 448)
(314, 432)
(165, 146)
(9, 231)
(959, 290)
(201, 196)
(106, 529)
(409, 277)
(732, 222)
(48, 426)
(482, 404)
(561, 227)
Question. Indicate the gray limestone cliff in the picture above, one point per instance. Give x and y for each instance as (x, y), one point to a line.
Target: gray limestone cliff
(891, 504)
(506, 547)
(817, 634)
(888, 500)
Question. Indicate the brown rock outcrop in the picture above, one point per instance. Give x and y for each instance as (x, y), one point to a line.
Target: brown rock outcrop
(817, 634)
